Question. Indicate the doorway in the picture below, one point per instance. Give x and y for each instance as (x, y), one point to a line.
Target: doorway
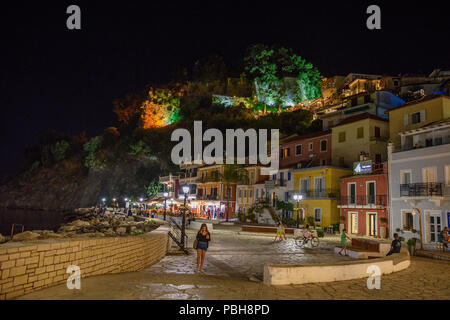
(371, 224)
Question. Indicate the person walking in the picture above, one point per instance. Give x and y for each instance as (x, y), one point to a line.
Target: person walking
(279, 232)
(202, 242)
(283, 230)
(344, 237)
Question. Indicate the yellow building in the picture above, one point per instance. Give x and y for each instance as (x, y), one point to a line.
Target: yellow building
(416, 114)
(319, 188)
(364, 134)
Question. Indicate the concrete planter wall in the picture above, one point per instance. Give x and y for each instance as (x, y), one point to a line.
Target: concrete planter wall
(348, 270)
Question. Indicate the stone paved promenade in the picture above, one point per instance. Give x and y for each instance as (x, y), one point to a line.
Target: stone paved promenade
(234, 258)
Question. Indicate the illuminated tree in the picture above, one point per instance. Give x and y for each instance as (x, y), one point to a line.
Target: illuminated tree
(161, 108)
(281, 77)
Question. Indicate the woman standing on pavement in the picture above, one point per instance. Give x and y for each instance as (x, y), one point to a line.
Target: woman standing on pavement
(203, 238)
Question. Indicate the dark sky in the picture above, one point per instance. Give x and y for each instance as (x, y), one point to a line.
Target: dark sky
(54, 78)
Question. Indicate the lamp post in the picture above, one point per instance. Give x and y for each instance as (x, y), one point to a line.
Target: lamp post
(166, 194)
(298, 197)
(183, 221)
(420, 225)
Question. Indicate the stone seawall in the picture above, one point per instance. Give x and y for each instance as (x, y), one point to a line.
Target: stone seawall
(31, 266)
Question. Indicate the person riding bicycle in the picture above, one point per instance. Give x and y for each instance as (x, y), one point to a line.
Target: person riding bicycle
(306, 233)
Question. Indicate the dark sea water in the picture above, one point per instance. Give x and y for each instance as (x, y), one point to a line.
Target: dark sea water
(31, 219)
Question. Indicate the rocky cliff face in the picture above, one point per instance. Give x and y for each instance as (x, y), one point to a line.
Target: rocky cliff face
(66, 188)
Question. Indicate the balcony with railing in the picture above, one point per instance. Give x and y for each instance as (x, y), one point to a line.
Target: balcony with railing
(431, 189)
(319, 194)
(362, 201)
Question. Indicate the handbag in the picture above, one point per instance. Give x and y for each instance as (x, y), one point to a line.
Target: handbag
(195, 244)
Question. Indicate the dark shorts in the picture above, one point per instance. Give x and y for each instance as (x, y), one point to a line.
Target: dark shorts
(202, 246)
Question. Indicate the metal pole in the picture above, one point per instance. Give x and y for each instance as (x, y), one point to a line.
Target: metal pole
(165, 200)
(298, 213)
(183, 223)
(420, 224)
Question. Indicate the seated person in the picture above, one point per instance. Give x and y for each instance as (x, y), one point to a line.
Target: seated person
(443, 237)
(396, 245)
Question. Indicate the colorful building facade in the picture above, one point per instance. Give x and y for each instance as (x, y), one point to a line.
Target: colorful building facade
(364, 201)
(319, 188)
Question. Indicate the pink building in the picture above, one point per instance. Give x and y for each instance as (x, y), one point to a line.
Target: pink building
(309, 150)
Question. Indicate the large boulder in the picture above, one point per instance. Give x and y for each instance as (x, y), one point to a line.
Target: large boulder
(80, 223)
(26, 236)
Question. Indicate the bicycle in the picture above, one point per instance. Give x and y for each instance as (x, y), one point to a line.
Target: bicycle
(302, 241)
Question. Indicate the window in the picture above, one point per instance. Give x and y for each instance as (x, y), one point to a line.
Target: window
(415, 118)
(310, 146)
(405, 176)
(251, 177)
(274, 176)
(352, 193)
(317, 214)
(240, 193)
(286, 196)
(323, 145)
(323, 162)
(287, 152)
(407, 220)
(370, 192)
(251, 193)
(298, 150)
(342, 136)
(289, 176)
(377, 132)
(304, 185)
(367, 99)
(377, 158)
(245, 193)
(360, 133)
(429, 175)
(257, 193)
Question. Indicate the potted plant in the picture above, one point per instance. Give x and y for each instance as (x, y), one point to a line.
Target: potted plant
(411, 246)
(342, 224)
(383, 227)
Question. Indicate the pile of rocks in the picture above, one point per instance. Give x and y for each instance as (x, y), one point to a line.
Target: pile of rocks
(92, 226)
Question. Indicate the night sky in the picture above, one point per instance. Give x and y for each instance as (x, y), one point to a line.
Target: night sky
(55, 78)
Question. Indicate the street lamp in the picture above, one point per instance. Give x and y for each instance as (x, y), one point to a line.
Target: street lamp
(183, 221)
(166, 194)
(298, 197)
(420, 225)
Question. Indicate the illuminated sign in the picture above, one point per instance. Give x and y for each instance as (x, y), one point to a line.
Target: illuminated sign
(362, 167)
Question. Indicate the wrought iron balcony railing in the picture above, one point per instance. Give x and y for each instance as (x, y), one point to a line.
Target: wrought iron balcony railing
(422, 189)
(363, 200)
(319, 193)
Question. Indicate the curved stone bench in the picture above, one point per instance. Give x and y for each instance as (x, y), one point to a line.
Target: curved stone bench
(279, 274)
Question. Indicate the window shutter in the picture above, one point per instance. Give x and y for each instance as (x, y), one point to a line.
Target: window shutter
(405, 119)
(422, 116)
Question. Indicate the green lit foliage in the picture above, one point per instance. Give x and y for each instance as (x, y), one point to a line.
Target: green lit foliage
(282, 78)
(153, 188)
(140, 149)
(92, 160)
(59, 150)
